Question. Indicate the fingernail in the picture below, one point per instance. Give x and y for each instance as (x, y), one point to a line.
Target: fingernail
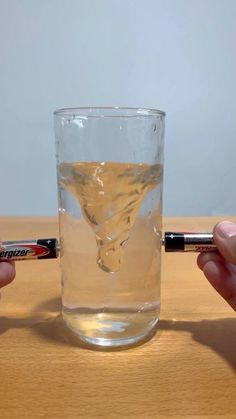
(226, 229)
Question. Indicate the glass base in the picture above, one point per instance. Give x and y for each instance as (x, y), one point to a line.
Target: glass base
(112, 330)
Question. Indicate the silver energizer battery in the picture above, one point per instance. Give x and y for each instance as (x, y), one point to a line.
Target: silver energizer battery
(188, 242)
(29, 249)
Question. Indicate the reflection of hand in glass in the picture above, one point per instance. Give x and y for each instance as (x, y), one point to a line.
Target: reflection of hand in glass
(220, 268)
(7, 273)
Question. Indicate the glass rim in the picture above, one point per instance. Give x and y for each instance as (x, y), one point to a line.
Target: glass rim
(89, 112)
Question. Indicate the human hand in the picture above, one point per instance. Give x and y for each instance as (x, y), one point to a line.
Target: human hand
(220, 267)
(7, 272)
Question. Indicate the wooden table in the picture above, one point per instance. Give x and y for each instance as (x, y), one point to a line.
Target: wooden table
(186, 371)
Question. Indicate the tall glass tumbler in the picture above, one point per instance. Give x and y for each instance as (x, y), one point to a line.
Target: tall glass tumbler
(110, 165)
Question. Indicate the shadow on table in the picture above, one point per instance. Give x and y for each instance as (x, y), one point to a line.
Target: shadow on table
(43, 314)
(52, 305)
(218, 334)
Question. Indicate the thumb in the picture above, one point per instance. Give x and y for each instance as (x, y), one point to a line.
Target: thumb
(225, 240)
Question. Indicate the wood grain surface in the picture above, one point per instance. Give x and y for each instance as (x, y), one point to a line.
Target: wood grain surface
(186, 371)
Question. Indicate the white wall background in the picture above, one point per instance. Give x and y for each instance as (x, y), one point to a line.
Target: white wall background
(176, 55)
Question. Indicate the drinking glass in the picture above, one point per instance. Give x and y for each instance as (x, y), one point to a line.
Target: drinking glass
(109, 171)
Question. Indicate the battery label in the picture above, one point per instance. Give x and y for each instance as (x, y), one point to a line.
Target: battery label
(31, 249)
